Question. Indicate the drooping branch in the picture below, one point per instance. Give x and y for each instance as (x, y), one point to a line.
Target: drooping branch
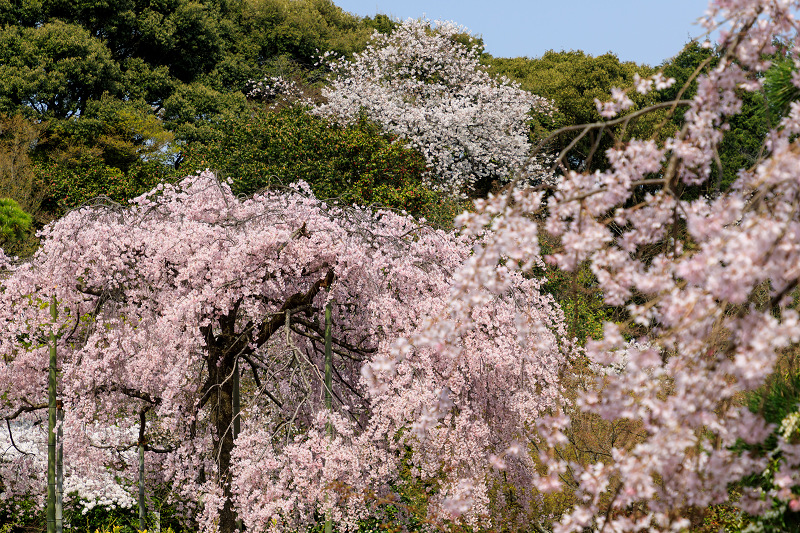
(11, 437)
(25, 409)
(270, 326)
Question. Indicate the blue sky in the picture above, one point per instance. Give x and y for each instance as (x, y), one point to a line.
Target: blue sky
(645, 31)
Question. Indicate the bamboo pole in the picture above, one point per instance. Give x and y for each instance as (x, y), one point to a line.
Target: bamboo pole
(328, 383)
(236, 401)
(51, 425)
(236, 408)
(142, 504)
(328, 360)
(60, 467)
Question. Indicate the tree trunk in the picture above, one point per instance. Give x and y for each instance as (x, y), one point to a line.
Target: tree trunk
(221, 376)
(223, 351)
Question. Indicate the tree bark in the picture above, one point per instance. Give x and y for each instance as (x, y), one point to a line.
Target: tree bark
(220, 371)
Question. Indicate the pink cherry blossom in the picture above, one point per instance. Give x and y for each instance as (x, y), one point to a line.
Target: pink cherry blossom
(158, 302)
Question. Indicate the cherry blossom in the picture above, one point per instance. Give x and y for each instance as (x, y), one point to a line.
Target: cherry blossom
(160, 302)
(706, 286)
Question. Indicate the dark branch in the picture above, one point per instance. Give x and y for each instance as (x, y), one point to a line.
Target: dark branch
(11, 436)
(26, 409)
(321, 332)
(270, 326)
(129, 392)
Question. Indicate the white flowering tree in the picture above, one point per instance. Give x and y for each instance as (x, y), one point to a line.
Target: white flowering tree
(426, 86)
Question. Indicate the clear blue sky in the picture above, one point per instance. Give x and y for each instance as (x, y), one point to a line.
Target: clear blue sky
(645, 31)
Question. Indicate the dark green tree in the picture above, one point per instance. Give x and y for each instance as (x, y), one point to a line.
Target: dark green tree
(300, 29)
(194, 110)
(53, 70)
(118, 132)
(183, 35)
(151, 84)
(20, 12)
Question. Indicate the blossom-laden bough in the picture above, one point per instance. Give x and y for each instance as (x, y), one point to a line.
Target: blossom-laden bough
(706, 285)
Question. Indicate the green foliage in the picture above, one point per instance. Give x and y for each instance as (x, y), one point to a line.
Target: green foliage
(20, 12)
(572, 80)
(118, 132)
(184, 35)
(301, 29)
(779, 87)
(194, 45)
(355, 164)
(70, 186)
(577, 294)
(776, 401)
(194, 111)
(741, 145)
(683, 65)
(14, 222)
(723, 518)
(19, 137)
(381, 23)
(53, 70)
(151, 84)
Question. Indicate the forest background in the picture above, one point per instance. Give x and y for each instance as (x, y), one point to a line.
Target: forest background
(113, 98)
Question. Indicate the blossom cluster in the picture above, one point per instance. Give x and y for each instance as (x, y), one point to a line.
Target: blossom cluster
(277, 90)
(83, 481)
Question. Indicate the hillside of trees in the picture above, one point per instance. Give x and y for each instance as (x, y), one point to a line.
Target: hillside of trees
(100, 99)
(109, 100)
